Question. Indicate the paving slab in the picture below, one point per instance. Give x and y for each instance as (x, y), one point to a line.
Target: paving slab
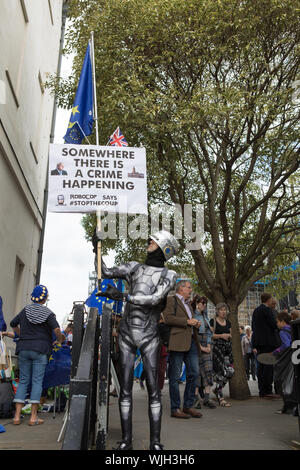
(248, 425)
(24, 437)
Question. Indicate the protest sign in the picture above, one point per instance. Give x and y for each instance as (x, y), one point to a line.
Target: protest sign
(92, 178)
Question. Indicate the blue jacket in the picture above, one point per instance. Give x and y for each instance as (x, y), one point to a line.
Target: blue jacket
(286, 339)
(204, 328)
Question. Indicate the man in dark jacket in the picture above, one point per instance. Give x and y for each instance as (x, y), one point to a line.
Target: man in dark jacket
(264, 340)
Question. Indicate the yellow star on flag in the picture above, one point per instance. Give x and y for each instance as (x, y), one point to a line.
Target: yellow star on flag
(71, 124)
(75, 110)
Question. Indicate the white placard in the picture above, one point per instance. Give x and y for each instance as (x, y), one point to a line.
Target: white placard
(92, 178)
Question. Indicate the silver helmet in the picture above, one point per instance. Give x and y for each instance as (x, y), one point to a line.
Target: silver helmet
(166, 242)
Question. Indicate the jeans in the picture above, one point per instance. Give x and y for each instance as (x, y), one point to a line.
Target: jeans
(191, 360)
(250, 365)
(32, 366)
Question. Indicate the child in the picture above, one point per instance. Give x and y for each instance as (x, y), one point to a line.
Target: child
(283, 324)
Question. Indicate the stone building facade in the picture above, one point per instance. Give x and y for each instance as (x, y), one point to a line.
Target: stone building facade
(30, 33)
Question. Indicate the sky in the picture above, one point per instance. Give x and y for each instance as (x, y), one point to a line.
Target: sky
(68, 258)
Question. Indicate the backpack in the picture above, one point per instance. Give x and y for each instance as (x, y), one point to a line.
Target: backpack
(6, 400)
(165, 330)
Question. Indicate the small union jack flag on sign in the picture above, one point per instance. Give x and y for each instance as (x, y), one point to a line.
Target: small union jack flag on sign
(118, 139)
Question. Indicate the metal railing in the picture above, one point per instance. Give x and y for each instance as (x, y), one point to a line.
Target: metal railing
(87, 420)
(104, 377)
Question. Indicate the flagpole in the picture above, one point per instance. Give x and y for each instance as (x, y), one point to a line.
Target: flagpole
(99, 267)
(94, 84)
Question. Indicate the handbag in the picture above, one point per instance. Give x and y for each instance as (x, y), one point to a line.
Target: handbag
(2, 351)
(8, 370)
(6, 399)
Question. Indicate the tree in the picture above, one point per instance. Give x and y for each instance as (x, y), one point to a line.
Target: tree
(208, 88)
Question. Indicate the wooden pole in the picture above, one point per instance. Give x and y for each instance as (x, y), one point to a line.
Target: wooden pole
(94, 84)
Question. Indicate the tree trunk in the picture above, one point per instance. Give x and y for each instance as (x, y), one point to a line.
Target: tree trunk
(238, 385)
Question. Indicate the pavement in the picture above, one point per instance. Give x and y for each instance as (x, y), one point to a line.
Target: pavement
(24, 437)
(247, 425)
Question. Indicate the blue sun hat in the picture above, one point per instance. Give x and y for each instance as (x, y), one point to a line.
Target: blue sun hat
(39, 293)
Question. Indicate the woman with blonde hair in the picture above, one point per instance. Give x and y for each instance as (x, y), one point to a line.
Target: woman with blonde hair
(248, 354)
(222, 352)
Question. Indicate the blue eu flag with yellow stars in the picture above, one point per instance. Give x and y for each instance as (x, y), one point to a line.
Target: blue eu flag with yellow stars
(118, 305)
(58, 369)
(138, 364)
(82, 120)
(3, 326)
(98, 302)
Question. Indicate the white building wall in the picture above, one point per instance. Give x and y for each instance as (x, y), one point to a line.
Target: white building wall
(29, 39)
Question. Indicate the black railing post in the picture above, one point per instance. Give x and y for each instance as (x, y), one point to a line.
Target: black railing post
(78, 330)
(104, 377)
(79, 432)
(93, 415)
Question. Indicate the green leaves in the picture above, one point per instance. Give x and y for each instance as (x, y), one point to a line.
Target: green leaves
(206, 87)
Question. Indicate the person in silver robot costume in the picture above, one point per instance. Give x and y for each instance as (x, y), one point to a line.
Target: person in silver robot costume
(149, 284)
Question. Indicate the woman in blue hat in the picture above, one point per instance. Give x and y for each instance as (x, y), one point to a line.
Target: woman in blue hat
(34, 325)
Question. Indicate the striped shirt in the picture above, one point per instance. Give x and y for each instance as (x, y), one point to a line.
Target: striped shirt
(35, 336)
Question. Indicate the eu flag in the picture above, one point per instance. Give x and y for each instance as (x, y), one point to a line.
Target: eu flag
(94, 301)
(138, 364)
(118, 305)
(82, 120)
(3, 326)
(58, 369)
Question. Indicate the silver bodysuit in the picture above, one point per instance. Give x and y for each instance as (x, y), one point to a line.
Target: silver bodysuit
(148, 287)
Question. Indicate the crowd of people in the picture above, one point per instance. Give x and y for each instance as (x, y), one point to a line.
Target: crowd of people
(204, 347)
(272, 336)
(188, 337)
